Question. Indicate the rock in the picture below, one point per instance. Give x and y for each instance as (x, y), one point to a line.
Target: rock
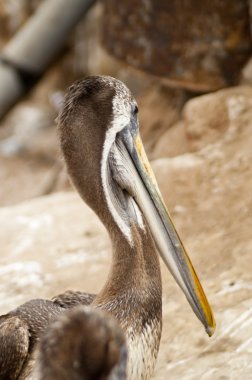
(172, 143)
(25, 177)
(159, 109)
(44, 240)
(209, 194)
(28, 126)
(246, 73)
(207, 117)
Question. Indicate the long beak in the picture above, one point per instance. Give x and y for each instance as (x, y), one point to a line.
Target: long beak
(168, 242)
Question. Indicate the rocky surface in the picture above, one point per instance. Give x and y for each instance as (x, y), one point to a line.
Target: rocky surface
(55, 243)
(209, 193)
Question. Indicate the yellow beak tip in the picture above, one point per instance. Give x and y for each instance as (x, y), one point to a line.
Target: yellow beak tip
(211, 329)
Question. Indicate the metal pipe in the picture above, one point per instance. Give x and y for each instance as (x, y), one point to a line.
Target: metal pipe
(35, 45)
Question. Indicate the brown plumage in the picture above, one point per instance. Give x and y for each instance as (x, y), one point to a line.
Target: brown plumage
(21, 329)
(83, 344)
(132, 292)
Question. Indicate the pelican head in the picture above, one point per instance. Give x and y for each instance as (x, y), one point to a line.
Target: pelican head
(100, 139)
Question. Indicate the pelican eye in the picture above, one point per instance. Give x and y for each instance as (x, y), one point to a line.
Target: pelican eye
(135, 110)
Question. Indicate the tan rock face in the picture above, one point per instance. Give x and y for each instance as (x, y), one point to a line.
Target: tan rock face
(159, 110)
(173, 142)
(207, 117)
(44, 243)
(209, 194)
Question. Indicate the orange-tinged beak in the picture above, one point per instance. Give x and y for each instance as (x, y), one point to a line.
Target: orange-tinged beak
(149, 199)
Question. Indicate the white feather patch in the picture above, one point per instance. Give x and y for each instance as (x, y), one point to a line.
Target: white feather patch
(118, 123)
(143, 351)
(121, 118)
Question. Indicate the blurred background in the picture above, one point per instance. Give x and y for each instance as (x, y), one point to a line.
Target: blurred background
(189, 65)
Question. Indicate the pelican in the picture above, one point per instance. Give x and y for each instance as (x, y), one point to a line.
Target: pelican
(99, 137)
(82, 344)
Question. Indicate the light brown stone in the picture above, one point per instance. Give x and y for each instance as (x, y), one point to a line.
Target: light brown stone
(172, 143)
(207, 117)
(159, 110)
